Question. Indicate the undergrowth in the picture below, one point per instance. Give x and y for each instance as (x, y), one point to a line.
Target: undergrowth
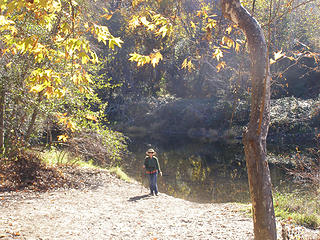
(120, 173)
(55, 157)
(59, 157)
(44, 170)
(303, 208)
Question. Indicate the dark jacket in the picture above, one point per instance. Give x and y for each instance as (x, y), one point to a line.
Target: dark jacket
(151, 164)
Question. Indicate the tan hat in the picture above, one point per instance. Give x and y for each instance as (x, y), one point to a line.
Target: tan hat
(151, 151)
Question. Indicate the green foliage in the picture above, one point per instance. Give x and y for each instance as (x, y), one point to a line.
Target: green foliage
(203, 56)
(45, 65)
(120, 173)
(97, 143)
(55, 157)
(165, 37)
(300, 207)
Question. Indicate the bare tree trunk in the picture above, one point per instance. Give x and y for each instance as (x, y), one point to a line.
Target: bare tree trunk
(2, 109)
(33, 119)
(49, 132)
(256, 134)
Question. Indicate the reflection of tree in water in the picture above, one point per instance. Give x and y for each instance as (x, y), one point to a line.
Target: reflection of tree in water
(185, 174)
(191, 177)
(202, 173)
(199, 171)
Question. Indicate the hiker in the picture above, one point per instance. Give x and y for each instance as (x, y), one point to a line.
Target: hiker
(152, 167)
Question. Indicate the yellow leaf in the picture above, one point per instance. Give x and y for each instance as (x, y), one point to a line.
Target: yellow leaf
(38, 88)
(211, 23)
(5, 21)
(56, 6)
(140, 59)
(133, 57)
(220, 66)
(81, 89)
(106, 10)
(134, 22)
(43, 3)
(102, 33)
(115, 41)
(144, 21)
(91, 117)
(107, 16)
(229, 29)
(272, 61)
(184, 64)
(193, 25)
(71, 125)
(9, 64)
(228, 41)
(155, 58)
(59, 93)
(278, 55)
(63, 138)
(190, 66)
(163, 31)
(137, 2)
(151, 27)
(217, 54)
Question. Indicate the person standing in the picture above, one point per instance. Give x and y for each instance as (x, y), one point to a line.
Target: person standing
(152, 167)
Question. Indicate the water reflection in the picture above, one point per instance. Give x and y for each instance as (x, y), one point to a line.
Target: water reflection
(202, 174)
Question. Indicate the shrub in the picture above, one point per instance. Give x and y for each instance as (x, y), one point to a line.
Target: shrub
(310, 221)
(104, 148)
(301, 206)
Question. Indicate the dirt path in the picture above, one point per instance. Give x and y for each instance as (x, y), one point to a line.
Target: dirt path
(113, 209)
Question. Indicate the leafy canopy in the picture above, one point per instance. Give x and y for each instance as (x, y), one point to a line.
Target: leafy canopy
(52, 33)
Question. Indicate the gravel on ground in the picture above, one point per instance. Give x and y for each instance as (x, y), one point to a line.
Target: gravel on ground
(105, 207)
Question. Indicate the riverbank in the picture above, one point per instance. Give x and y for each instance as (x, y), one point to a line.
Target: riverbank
(110, 208)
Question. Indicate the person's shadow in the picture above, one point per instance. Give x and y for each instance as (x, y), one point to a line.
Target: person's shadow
(137, 198)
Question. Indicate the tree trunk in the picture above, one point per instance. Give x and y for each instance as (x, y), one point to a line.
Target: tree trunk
(255, 137)
(2, 109)
(33, 119)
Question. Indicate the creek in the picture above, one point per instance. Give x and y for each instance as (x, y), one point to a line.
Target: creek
(201, 172)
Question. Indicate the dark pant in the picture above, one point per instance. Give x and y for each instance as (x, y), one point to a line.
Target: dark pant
(153, 182)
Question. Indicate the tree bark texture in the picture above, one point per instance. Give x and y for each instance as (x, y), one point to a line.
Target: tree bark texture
(255, 136)
(2, 109)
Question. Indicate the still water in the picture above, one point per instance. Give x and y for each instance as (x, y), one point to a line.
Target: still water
(202, 173)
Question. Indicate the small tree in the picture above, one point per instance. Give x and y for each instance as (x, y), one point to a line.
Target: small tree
(256, 135)
(44, 63)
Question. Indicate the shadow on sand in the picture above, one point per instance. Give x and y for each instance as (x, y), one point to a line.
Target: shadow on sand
(137, 198)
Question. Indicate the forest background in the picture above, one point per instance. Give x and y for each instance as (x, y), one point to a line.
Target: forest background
(91, 77)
